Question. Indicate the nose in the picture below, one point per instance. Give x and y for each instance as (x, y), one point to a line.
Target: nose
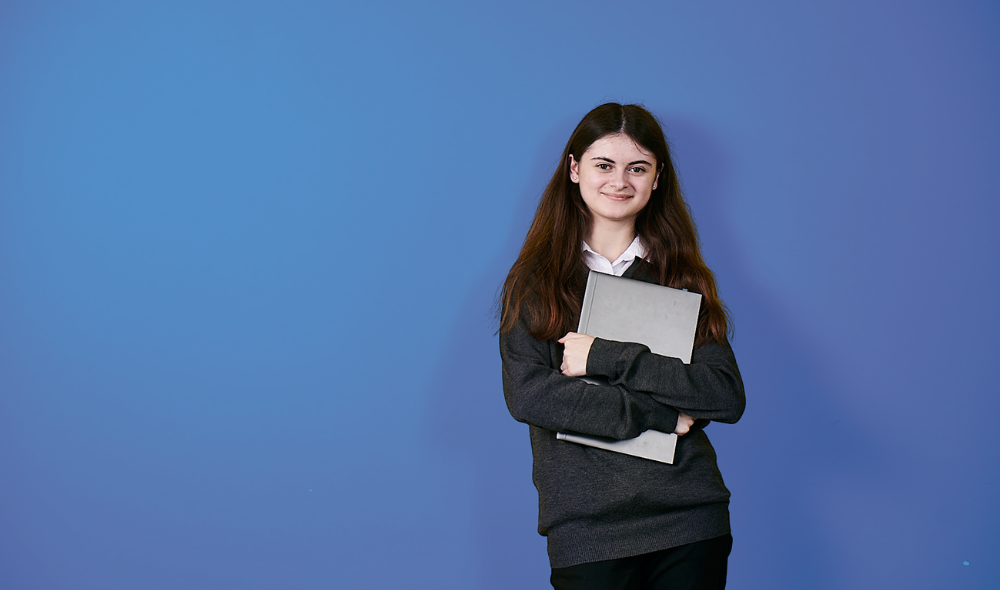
(618, 179)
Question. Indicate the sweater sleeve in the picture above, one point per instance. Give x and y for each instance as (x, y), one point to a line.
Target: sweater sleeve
(541, 395)
(709, 388)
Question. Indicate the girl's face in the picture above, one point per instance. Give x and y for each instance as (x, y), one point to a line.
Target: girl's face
(616, 178)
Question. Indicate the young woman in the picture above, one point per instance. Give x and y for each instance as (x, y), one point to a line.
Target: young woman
(612, 520)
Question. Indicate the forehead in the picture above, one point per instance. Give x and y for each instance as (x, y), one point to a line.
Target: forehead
(620, 145)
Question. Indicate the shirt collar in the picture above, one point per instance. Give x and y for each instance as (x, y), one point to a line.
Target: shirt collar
(598, 262)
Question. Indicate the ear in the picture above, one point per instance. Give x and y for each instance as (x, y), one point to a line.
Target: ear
(574, 169)
(656, 180)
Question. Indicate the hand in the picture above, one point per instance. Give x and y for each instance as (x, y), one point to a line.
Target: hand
(575, 353)
(684, 424)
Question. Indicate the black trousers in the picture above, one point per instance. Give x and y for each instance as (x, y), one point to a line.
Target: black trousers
(695, 566)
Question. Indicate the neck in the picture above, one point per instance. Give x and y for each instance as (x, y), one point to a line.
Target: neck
(611, 239)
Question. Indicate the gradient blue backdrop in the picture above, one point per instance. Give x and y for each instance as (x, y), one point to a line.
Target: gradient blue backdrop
(248, 252)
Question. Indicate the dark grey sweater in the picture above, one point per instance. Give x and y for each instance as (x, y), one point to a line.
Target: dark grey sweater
(595, 504)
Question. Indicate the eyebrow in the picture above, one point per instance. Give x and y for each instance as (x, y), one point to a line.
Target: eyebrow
(610, 161)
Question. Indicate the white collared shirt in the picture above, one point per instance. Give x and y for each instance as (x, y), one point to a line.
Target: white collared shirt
(599, 263)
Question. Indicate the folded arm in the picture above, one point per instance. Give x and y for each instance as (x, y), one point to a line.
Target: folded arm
(709, 388)
(538, 393)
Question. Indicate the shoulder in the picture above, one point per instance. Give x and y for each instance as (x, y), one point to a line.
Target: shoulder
(641, 270)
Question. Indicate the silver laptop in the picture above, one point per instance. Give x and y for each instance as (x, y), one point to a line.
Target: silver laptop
(627, 310)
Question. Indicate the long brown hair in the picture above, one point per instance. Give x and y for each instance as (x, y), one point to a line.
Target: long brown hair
(546, 282)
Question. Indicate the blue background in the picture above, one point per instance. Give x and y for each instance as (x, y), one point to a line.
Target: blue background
(248, 252)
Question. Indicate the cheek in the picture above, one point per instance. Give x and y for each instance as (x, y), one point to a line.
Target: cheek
(645, 201)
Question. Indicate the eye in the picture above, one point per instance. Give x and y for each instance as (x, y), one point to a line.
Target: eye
(637, 170)
(604, 166)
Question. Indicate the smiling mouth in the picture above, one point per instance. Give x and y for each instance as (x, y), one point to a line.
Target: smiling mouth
(615, 197)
